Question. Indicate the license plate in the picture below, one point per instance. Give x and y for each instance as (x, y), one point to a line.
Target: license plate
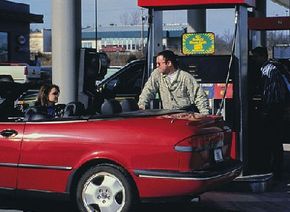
(218, 155)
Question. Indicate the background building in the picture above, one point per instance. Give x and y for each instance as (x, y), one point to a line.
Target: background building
(15, 22)
(40, 41)
(112, 38)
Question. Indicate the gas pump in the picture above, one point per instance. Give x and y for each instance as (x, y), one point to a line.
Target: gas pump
(239, 58)
(93, 67)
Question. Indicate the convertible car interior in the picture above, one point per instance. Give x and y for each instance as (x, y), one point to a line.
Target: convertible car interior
(10, 91)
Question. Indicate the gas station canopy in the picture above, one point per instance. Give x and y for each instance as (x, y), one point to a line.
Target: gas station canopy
(173, 4)
(271, 23)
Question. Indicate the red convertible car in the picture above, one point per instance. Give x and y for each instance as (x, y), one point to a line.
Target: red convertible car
(111, 161)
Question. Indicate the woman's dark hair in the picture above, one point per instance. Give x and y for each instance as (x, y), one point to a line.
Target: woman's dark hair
(169, 56)
(42, 98)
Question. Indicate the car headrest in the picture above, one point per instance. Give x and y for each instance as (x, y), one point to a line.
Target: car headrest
(38, 116)
(129, 105)
(29, 112)
(111, 106)
(74, 109)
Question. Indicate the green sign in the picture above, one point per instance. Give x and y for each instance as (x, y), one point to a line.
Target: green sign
(198, 43)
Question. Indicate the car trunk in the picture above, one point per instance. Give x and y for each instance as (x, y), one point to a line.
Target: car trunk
(208, 146)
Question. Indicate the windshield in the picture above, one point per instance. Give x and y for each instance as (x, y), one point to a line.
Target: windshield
(110, 71)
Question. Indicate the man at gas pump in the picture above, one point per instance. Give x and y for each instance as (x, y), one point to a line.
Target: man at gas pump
(177, 89)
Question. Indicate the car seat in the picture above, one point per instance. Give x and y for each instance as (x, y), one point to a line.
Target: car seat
(129, 105)
(33, 114)
(74, 109)
(110, 107)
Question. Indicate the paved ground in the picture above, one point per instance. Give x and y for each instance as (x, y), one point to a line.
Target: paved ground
(276, 199)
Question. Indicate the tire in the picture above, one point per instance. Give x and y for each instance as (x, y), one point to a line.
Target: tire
(105, 188)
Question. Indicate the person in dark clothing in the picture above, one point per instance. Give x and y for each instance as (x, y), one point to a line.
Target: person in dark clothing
(274, 96)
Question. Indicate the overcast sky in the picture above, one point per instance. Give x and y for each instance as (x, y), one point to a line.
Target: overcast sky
(112, 11)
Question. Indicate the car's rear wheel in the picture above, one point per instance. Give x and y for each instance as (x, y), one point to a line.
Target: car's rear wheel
(105, 188)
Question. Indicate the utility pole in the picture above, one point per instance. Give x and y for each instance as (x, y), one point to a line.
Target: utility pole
(289, 17)
(142, 30)
(96, 23)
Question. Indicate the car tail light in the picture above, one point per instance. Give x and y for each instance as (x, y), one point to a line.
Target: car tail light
(198, 152)
(201, 142)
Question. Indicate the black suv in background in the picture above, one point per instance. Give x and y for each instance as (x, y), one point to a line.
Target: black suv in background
(127, 82)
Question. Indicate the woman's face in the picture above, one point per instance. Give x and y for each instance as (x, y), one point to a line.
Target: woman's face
(53, 96)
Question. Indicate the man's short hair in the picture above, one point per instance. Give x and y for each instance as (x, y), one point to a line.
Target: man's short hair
(261, 51)
(169, 55)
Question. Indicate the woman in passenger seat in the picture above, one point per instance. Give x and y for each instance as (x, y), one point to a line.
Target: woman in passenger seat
(47, 101)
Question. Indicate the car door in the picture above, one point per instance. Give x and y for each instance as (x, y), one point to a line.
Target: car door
(50, 150)
(11, 134)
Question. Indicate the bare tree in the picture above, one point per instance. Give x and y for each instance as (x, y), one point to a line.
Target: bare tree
(223, 44)
(124, 19)
(277, 37)
(133, 18)
(227, 36)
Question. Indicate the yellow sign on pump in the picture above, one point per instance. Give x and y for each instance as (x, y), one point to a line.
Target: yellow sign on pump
(197, 43)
